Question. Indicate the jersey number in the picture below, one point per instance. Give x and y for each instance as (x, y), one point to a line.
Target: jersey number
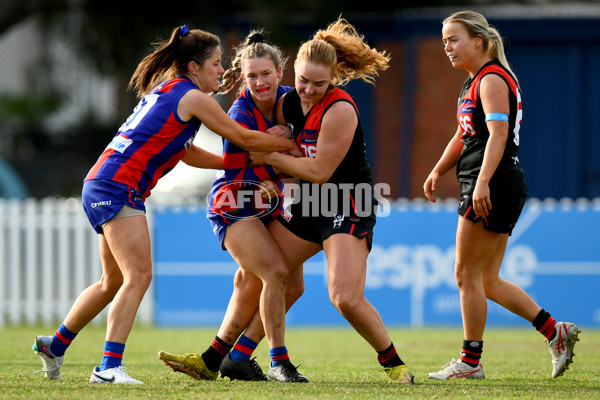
(465, 123)
(139, 112)
(519, 119)
(309, 150)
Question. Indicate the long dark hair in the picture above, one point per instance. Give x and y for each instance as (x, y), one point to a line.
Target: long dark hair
(172, 57)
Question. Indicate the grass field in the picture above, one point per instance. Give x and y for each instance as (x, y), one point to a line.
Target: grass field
(338, 363)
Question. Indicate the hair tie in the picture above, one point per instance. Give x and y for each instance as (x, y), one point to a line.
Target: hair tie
(256, 38)
(183, 30)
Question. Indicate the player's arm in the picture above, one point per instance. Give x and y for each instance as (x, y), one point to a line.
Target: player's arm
(493, 92)
(200, 158)
(335, 137)
(236, 159)
(279, 111)
(446, 162)
(197, 104)
(285, 128)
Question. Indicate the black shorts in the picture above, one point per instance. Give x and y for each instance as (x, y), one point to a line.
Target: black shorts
(318, 229)
(506, 208)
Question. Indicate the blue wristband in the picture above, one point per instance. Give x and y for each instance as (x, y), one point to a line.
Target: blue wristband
(496, 117)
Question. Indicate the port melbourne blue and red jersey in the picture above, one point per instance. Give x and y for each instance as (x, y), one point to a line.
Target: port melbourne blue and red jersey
(237, 175)
(152, 140)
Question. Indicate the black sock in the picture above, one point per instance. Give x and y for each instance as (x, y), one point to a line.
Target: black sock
(389, 357)
(544, 323)
(471, 352)
(215, 353)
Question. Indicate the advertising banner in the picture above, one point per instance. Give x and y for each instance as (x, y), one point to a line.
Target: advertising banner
(553, 254)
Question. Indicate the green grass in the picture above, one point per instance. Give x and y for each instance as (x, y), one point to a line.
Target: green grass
(338, 363)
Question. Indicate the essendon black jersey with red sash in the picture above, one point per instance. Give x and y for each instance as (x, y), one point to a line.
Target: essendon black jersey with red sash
(354, 168)
(471, 118)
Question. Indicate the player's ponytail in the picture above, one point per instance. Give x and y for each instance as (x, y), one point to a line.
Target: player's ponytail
(172, 57)
(496, 49)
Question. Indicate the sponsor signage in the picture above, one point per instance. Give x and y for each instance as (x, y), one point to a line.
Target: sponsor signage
(554, 254)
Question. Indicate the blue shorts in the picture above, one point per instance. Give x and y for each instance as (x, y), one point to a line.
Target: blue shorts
(220, 224)
(225, 214)
(103, 199)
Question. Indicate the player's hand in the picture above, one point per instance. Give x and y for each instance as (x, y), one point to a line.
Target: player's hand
(268, 189)
(280, 130)
(430, 185)
(482, 205)
(295, 151)
(257, 158)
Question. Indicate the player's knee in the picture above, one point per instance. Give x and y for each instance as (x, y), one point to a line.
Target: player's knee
(144, 279)
(111, 285)
(490, 283)
(140, 281)
(344, 301)
(278, 275)
(247, 283)
(294, 290)
(462, 275)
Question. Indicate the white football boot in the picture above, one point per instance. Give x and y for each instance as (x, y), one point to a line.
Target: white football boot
(114, 375)
(561, 347)
(457, 369)
(51, 363)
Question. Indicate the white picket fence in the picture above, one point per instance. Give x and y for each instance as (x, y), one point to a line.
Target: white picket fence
(48, 255)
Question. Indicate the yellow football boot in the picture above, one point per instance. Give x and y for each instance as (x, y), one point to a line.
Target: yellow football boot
(190, 364)
(399, 374)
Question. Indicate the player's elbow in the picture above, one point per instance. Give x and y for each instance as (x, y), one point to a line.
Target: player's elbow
(320, 177)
